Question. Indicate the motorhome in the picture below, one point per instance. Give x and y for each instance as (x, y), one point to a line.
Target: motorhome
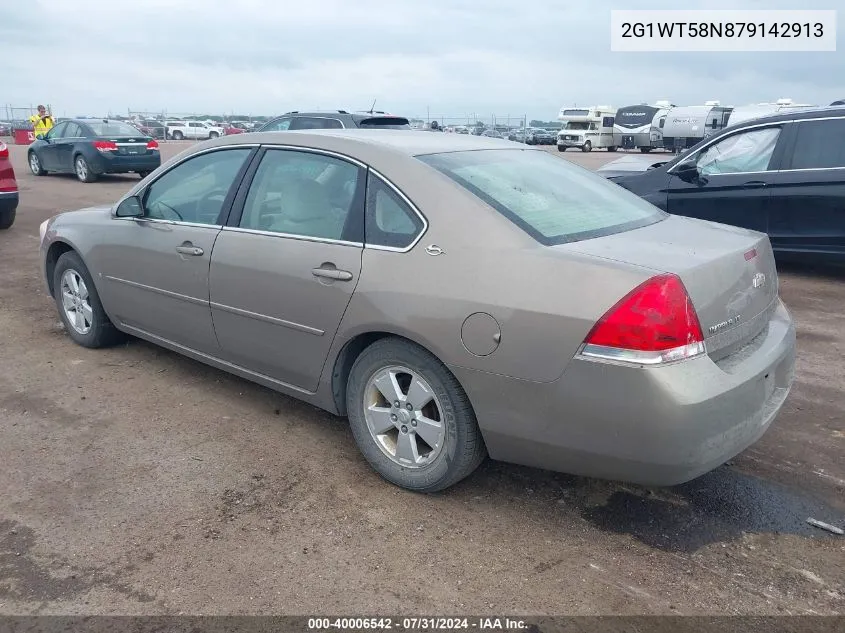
(685, 126)
(756, 110)
(838, 103)
(586, 128)
(636, 126)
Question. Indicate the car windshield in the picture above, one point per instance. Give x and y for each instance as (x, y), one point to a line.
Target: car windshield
(112, 128)
(577, 125)
(549, 198)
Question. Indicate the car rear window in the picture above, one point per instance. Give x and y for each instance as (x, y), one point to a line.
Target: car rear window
(549, 198)
(112, 128)
(386, 123)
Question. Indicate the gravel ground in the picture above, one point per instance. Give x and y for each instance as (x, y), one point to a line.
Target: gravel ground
(139, 482)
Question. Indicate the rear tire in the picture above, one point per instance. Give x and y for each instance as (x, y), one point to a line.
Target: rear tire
(612, 148)
(178, 136)
(83, 170)
(213, 135)
(143, 174)
(35, 165)
(435, 396)
(645, 150)
(96, 330)
(561, 148)
(7, 219)
(587, 147)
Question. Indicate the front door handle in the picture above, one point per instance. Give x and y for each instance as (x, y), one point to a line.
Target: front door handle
(754, 184)
(332, 273)
(189, 249)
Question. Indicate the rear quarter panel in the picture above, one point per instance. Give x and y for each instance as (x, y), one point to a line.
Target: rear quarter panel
(545, 300)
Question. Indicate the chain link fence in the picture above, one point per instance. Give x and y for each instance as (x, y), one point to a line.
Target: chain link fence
(17, 117)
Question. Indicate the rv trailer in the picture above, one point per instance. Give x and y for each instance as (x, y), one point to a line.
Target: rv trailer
(687, 125)
(756, 110)
(636, 126)
(586, 128)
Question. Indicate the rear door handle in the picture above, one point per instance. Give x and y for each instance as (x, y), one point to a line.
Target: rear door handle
(185, 249)
(332, 273)
(754, 184)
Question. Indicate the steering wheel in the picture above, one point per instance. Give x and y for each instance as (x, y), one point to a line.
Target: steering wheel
(199, 211)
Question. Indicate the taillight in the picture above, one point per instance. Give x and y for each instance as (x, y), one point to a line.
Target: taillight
(654, 323)
(4, 150)
(105, 146)
(152, 145)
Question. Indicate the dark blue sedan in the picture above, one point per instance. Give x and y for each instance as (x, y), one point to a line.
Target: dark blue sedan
(91, 147)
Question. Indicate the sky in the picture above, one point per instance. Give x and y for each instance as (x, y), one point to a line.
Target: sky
(440, 58)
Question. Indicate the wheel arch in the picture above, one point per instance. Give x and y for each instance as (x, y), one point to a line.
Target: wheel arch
(353, 348)
(56, 250)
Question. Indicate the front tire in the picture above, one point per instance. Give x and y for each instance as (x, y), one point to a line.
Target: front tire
(143, 174)
(178, 136)
(561, 148)
(83, 170)
(35, 165)
(213, 135)
(612, 148)
(79, 304)
(645, 150)
(7, 219)
(587, 147)
(431, 440)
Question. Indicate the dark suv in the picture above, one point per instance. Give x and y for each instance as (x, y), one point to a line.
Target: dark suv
(335, 119)
(782, 174)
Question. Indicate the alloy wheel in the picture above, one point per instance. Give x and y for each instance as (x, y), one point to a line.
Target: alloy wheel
(404, 416)
(76, 302)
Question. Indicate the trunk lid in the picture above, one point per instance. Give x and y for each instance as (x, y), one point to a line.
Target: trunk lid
(729, 273)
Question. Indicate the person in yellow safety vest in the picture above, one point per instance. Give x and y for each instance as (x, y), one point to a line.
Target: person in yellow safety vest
(41, 122)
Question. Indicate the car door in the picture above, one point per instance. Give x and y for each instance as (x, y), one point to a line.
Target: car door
(808, 201)
(155, 267)
(63, 147)
(48, 153)
(735, 174)
(284, 270)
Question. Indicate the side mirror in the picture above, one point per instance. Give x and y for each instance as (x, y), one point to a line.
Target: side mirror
(40, 137)
(688, 172)
(130, 208)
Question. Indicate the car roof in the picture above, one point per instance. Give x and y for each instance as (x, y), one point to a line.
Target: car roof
(795, 113)
(408, 142)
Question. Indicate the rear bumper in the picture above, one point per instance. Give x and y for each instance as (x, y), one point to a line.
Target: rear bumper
(108, 163)
(653, 426)
(8, 201)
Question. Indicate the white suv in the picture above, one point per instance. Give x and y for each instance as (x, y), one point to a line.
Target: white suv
(194, 130)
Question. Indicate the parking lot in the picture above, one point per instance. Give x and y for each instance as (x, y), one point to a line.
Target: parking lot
(137, 481)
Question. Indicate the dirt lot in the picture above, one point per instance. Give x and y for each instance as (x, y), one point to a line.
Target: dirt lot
(136, 481)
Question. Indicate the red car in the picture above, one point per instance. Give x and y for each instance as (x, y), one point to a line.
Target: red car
(231, 129)
(8, 189)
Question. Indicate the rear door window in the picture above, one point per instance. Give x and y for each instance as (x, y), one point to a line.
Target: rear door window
(72, 131)
(314, 123)
(390, 221)
(550, 199)
(279, 125)
(819, 145)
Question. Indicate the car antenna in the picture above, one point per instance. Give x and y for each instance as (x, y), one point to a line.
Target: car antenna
(373, 106)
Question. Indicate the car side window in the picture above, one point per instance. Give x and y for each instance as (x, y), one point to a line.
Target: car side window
(314, 123)
(72, 131)
(57, 131)
(279, 125)
(819, 145)
(389, 220)
(194, 191)
(302, 193)
(742, 152)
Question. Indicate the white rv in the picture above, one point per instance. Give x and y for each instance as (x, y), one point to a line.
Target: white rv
(685, 126)
(756, 110)
(586, 128)
(637, 126)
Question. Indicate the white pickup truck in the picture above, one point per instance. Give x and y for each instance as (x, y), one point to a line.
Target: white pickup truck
(194, 130)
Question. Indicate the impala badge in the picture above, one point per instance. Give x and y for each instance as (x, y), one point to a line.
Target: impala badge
(721, 326)
(759, 280)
